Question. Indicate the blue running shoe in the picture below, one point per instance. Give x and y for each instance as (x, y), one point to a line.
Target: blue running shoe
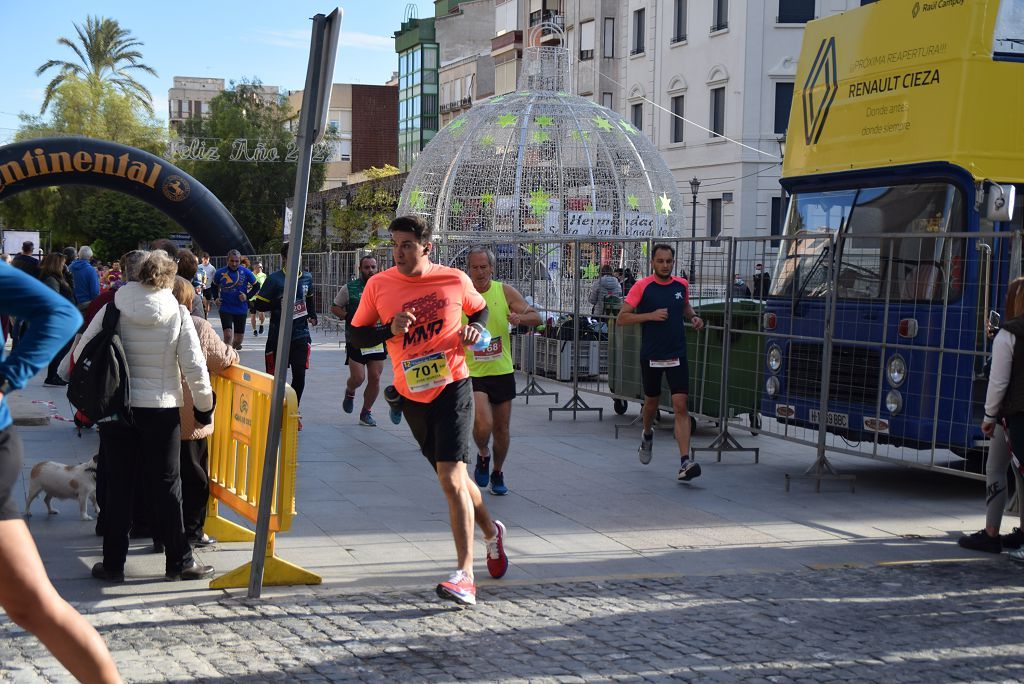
(482, 472)
(394, 400)
(348, 403)
(498, 487)
(366, 418)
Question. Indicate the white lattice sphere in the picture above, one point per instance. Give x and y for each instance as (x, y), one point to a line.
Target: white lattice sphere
(542, 161)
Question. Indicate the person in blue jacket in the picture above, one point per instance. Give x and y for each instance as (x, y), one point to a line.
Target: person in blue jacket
(86, 279)
(235, 284)
(26, 594)
(303, 315)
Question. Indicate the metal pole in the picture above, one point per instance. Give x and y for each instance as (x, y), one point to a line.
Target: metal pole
(693, 237)
(304, 140)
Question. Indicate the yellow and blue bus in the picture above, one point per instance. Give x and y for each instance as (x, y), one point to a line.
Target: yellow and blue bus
(903, 157)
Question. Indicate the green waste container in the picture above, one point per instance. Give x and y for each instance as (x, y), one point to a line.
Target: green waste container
(704, 355)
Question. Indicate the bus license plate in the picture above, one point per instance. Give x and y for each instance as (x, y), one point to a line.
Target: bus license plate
(833, 419)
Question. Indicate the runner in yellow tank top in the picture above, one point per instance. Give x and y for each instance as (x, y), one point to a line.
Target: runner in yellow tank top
(494, 381)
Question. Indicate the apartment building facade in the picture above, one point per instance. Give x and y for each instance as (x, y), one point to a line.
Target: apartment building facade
(190, 97)
(360, 139)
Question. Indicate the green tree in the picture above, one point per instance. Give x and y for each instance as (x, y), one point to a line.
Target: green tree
(371, 208)
(98, 110)
(253, 191)
(107, 53)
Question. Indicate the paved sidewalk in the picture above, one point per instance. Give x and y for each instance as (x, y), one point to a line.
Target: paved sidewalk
(600, 547)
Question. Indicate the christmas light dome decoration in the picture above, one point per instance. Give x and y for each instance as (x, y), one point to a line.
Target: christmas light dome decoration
(541, 161)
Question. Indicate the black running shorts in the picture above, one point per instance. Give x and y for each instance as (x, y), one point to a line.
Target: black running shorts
(233, 321)
(443, 426)
(498, 388)
(352, 353)
(10, 469)
(678, 378)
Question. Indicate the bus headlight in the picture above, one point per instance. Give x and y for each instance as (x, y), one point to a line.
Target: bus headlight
(771, 386)
(894, 402)
(896, 369)
(774, 358)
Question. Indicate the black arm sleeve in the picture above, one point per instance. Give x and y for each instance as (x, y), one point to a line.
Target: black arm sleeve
(369, 335)
(480, 317)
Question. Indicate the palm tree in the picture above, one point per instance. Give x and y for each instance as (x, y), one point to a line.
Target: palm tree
(107, 53)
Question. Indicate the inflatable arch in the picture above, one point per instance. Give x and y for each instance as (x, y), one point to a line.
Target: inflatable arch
(85, 161)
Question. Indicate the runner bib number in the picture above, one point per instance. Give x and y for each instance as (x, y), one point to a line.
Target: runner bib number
(491, 352)
(299, 310)
(664, 363)
(379, 349)
(427, 372)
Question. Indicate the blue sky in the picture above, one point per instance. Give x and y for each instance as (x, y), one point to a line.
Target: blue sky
(227, 39)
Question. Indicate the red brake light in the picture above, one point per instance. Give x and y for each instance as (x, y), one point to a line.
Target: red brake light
(908, 328)
(769, 321)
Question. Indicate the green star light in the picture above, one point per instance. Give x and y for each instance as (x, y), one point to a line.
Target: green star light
(487, 199)
(487, 140)
(665, 204)
(506, 120)
(634, 202)
(456, 208)
(580, 135)
(417, 200)
(539, 202)
(540, 136)
(628, 127)
(543, 120)
(602, 123)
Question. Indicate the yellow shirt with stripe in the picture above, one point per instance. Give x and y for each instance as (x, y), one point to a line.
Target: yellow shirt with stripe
(497, 358)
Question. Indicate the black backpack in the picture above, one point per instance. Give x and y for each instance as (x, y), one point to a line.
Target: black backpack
(99, 380)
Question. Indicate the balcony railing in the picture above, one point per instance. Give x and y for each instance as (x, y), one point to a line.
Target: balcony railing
(637, 50)
(721, 26)
(794, 18)
(679, 39)
(548, 16)
(586, 54)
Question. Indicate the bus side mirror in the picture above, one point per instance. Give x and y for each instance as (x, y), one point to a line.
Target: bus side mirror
(999, 202)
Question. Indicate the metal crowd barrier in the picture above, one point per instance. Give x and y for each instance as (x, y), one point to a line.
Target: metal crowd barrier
(236, 470)
(832, 367)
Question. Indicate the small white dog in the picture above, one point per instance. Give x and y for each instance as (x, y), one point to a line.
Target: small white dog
(59, 481)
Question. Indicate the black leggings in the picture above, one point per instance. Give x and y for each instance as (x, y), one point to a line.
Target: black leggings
(298, 360)
(153, 443)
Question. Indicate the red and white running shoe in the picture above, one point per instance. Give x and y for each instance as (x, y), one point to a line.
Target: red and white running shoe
(497, 561)
(458, 588)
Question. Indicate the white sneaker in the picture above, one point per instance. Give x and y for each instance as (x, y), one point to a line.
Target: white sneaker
(646, 449)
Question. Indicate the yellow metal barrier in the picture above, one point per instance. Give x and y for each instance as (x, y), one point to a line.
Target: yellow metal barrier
(236, 470)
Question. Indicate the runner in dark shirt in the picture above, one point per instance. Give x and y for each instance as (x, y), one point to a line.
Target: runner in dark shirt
(661, 304)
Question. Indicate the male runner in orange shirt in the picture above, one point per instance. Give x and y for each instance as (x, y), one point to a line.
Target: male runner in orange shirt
(422, 304)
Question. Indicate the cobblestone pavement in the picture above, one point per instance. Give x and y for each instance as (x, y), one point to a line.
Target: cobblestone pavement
(938, 622)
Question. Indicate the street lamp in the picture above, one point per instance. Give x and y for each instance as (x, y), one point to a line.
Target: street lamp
(694, 186)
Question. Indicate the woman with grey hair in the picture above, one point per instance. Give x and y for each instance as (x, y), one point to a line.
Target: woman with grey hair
(161, 346)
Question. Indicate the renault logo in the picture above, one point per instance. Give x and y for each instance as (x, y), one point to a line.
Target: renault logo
(820, 90)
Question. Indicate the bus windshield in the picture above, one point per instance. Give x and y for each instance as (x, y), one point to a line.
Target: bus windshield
(909, 267)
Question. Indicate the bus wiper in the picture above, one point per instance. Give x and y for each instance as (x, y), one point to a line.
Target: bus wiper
(814, 267)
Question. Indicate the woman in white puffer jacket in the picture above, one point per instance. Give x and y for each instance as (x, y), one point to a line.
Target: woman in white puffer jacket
(161, 346)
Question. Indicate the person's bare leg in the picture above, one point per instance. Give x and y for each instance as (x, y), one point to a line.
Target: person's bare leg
(229, 336)
(501, 415)
(356, 375)
(373, 371)
(238, 340)
(456, 485)
(649, 411)
(483, 422)
(682, 424)
(31, 602)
